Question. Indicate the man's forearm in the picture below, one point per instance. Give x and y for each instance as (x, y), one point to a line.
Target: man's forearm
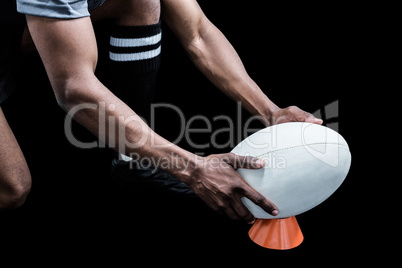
(113, 122)
(217, 59)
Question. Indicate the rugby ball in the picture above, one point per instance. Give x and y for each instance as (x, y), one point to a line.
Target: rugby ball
(304, 164)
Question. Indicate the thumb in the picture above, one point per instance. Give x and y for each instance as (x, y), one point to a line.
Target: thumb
(312, 119)
(250, 162)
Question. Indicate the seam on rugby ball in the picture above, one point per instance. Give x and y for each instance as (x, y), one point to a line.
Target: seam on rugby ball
(299, 146)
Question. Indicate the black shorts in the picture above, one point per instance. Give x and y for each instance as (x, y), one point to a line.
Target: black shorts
(12, 26)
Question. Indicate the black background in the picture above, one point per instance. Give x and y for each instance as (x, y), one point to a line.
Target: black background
(303, 55)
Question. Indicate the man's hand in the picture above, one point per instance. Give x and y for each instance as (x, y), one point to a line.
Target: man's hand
(291, 114)
(217, 183)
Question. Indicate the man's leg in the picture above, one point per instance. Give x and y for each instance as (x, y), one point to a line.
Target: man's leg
(134, 50)
(134, 58)
(15, 178)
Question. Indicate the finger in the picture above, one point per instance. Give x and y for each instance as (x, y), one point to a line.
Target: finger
(231, 213)
(242, 212)
(261, 201)
(312, 119)
(250, 162)
(225, 209)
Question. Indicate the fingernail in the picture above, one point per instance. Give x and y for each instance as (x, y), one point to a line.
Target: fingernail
(251, 222)
(260, 162)
(274, 212)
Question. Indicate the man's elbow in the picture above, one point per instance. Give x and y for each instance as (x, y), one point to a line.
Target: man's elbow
(198, 44)
(70, 92)
(14, 195)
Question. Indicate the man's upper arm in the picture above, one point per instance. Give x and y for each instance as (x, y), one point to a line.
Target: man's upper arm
(185, 18)
(67, 47)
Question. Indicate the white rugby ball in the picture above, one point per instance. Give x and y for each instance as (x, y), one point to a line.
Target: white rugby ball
(304, 164)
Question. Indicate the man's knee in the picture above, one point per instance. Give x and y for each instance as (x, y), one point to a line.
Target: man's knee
(14, 194)
(131, 12)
